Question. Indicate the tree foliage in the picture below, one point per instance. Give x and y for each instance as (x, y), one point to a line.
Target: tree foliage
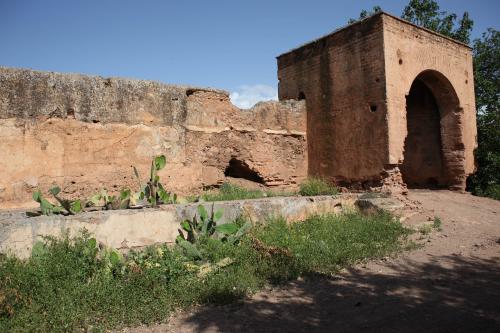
(365, 13)
(486, 181)
(426, 13)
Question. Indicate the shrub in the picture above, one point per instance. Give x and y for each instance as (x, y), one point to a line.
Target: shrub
(317, 186)
(493, 191)
(229, 191)
(76, 285)
(437, 224)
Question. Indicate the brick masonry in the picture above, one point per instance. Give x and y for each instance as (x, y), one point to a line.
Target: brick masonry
(355, 82)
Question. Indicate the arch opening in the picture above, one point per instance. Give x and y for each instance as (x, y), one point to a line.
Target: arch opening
(433, 148)
(240, 169)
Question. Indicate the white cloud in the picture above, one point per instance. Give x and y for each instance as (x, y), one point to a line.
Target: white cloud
(247, 96)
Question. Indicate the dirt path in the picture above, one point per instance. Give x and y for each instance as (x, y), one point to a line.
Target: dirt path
(450, 285)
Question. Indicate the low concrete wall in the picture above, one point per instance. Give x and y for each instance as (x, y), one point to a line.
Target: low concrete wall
(123, 229)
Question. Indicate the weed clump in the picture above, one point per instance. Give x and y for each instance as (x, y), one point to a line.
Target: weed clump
(317, 186)
(229, 191)
(437, 224)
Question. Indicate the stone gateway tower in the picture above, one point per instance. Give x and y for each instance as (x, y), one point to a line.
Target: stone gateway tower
(385, 99)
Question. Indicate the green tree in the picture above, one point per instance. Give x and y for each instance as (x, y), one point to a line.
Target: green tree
(426, 13)
(486, 181)
(365, 13)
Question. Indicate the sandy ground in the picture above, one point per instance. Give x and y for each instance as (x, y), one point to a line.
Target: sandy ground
(452, 284)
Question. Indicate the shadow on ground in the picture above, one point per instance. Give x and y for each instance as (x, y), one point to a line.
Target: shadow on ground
(447, 294)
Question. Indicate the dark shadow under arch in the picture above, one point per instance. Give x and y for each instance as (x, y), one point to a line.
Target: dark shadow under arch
(240, 169)
(434, 150)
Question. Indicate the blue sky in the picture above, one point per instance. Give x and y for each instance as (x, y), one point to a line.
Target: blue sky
(230, 45)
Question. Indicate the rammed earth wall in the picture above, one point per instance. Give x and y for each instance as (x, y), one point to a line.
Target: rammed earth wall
(84, 133)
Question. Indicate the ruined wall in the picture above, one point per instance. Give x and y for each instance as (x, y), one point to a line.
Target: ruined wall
(447, 70)
(342, 78)
(85, 133)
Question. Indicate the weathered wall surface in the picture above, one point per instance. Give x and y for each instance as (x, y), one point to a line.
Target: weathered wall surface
(342, 77)
(410, 51)
(85, 133)
(356, 81)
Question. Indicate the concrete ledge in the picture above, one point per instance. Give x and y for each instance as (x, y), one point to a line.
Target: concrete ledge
(123, 229)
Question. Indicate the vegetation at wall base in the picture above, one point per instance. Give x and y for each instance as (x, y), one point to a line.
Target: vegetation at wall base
(309, 187)
(150, 194)
(75, 284)
(317, 186)
(229, 191)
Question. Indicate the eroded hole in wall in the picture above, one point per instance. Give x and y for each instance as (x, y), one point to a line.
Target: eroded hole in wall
(373, 107)
(301, 96)
(400, 61)
(239, 169)
(70, 113)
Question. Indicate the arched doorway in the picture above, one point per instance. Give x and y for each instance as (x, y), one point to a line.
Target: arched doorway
(433, 149)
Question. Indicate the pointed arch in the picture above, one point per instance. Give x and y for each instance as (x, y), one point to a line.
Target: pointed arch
(434, 152)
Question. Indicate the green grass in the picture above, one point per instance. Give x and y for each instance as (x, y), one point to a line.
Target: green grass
(425, 229)
(72, 285)
(228, 191)
(317, 186)
(437, 224)
(327, 243)
(234, 192)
